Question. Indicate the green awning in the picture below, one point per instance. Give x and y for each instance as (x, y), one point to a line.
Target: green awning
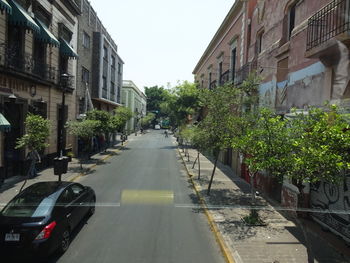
(67, 50)
(5, 6)
(45, 35)
(5, 126)
(20, 17)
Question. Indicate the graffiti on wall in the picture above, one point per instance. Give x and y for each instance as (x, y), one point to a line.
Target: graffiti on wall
(336, 199)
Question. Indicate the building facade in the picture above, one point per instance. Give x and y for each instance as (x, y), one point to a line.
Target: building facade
(136, 101)
(300, 49)
(38, 42)
(100, 69)
(221, 60)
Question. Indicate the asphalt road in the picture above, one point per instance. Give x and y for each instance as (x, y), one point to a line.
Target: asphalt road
(144, 210)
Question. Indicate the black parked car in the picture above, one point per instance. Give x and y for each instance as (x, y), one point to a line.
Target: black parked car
(39, 220)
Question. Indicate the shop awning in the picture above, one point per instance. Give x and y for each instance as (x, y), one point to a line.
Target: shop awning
(67, 50)
(45, 35)
(5, 126)
(4, 5)
(20, 17)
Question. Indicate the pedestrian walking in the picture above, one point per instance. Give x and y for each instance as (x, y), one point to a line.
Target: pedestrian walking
(34, 158)
(166, 133)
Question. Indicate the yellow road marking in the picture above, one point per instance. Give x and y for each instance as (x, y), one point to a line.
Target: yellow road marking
(147, 197)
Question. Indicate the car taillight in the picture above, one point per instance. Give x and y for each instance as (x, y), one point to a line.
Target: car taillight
(46, 232)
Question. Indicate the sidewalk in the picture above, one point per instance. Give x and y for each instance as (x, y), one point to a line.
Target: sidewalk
(12, 186)
(280, 241)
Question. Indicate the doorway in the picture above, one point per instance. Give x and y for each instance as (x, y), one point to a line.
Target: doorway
(13, 158)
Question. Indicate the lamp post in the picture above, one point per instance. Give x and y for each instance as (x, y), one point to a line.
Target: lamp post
(61, 162)
(64, 84)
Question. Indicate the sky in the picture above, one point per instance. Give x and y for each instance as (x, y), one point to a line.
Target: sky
(161, 41)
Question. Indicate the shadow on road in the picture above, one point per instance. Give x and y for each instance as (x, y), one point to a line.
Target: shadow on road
(55, 257)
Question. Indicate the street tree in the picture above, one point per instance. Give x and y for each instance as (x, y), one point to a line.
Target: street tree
(121, 116)
(37, 132)
(155, 96)
(85, 130)
(103, 119)
(147, 120)
(182, 103)
(221, 106)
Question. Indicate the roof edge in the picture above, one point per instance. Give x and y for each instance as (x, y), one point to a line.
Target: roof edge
(236, 4)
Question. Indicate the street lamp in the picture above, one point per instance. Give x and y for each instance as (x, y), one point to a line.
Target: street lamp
(64, 85)
(61, 162)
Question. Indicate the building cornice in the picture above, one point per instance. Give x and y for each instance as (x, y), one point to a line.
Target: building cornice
(232, 14)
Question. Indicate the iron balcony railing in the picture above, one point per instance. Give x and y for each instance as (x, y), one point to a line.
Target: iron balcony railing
(11, 58)
(243, 73)
(330, 21)
(225, 77)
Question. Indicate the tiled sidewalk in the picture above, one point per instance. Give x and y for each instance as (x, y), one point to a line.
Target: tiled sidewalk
(280, 241)
(12, 186)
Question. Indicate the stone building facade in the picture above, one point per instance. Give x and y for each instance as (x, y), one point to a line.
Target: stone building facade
(100, 68)
(134, 99)
(300, 49)
(38, 42)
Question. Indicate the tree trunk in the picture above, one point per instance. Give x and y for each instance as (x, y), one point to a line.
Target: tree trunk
(195, 161)
(212, 175)
(252, 188)
(199, 166)
(188, 154)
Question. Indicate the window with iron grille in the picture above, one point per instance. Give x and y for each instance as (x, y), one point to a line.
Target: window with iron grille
(86, 40)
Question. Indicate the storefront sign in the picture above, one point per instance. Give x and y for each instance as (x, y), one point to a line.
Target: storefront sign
(10, 85)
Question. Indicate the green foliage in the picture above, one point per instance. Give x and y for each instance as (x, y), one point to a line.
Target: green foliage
(37, 132)
(148, 119)
(320, 146)
(266, 141)
(119, 119)
(85, 129)
(221, 106)
(155, 97)
(102, 118)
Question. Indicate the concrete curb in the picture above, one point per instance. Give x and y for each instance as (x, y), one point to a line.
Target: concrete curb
(89, 168)
(218, 237)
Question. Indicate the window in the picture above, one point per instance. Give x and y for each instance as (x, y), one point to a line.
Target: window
(85, 75)
(63, 64)
(15, 45)
(220, 73)
(105, 53)
(66, 197)
(233, 63)
(86, 40)
(209, 79)
(291, 22)
(259, 40)
(119, 68)
(77, 190)
(113, 61)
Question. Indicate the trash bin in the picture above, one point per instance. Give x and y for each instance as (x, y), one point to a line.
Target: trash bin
(60, 165)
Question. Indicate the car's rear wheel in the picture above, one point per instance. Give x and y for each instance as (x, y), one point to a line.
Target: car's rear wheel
(92, 206)
(65, 241)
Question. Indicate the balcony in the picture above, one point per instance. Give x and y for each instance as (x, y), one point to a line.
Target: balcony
(243, 73)
(225, 77)
(329, 24)
(13, 61)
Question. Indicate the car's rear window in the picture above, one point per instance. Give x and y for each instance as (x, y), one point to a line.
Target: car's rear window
(29, 204)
